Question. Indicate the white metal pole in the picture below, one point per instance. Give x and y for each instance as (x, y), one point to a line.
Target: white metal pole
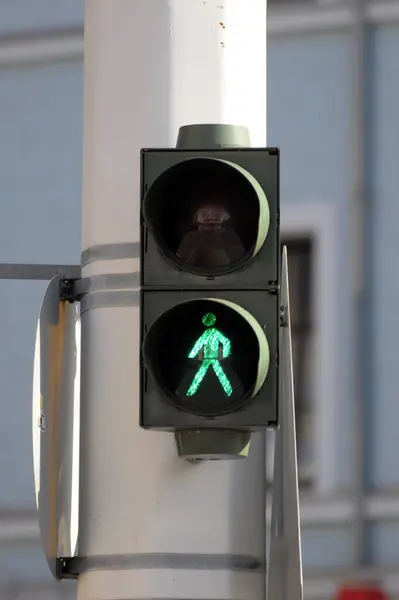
(152, 525)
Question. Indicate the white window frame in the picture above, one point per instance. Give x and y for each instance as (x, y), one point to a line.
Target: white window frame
(318, 221)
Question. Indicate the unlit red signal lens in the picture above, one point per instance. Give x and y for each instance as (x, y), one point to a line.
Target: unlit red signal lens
(208, 216)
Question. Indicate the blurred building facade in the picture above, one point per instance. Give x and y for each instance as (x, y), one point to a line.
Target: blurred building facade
(312, 109)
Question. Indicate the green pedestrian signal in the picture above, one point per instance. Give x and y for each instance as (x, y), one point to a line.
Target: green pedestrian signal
(209, 344)
(216, 360)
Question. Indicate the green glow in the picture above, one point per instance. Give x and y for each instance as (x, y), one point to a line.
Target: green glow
(209, 319)
(209, 342)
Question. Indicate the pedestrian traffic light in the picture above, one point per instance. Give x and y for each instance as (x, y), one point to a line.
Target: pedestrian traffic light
(210, 288)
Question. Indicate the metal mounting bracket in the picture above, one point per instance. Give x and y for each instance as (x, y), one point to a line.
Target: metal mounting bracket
(68, 291)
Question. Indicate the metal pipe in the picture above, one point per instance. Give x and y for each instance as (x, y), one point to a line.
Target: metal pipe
(357, 276)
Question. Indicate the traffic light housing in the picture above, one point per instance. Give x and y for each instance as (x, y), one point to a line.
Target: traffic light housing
(210, 288)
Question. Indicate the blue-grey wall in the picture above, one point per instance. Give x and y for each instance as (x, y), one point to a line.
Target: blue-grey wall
(309, 117)
(41, 163)
(21, 16)
(384, 165)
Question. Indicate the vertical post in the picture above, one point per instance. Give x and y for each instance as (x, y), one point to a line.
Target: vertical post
(151, 525)
(357, 234)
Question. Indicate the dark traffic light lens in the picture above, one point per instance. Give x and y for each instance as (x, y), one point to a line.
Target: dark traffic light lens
(207, 215)
(207, 357)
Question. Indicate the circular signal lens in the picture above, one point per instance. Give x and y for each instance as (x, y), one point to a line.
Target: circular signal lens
(208, 216)
(208, 356)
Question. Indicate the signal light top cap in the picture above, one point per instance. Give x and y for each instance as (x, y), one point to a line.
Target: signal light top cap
(209, 136)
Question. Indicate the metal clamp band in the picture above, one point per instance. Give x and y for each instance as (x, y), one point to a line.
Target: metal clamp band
(114, 289)
(109, 299)
(192, 562)
(110, 252)
(112, 281)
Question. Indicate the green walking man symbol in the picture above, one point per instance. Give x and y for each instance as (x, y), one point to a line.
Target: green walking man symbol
(209, 342)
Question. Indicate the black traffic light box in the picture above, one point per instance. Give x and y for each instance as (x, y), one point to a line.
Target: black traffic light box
(210, 288)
